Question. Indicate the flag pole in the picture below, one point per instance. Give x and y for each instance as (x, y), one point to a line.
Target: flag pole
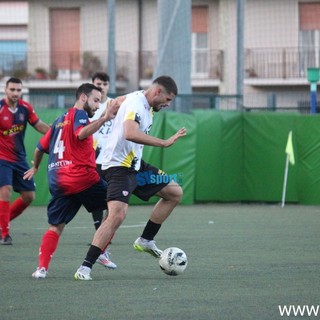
(290, 158)
(285, 181)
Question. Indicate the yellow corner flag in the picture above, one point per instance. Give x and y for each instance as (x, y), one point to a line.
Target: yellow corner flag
(289, 149)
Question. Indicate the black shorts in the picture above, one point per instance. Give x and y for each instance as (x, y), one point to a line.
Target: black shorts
(145, 183)
(63, 209)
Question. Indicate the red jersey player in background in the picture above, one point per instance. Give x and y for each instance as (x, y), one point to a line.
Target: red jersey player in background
(15, 113)
(72, 175)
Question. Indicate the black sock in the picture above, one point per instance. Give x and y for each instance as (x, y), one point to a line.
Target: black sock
(92, 255)
(97, 217)
(150, 230)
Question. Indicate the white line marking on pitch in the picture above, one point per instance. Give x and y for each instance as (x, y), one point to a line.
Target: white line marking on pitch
(124, 227)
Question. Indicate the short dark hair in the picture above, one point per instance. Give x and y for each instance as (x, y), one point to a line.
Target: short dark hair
(86, 88)
(101, 75)
(168, 83)
(13, 80)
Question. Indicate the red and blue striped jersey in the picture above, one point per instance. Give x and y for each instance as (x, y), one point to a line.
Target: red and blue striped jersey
(71, 164)
(13, 124)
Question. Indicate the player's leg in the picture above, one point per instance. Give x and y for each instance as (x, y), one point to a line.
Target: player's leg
(5, 196)
(97, 217)
(118, 180)
(21, 203)
(61, 210)
(26, 188)
(95, 198)
(170, 194)
(117, 213)
(48, 246)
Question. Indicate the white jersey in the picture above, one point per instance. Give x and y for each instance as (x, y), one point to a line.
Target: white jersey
(119, 151)
(100, 137)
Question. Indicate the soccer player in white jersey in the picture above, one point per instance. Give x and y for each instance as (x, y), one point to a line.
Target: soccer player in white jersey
(122, 164)
(101, 80)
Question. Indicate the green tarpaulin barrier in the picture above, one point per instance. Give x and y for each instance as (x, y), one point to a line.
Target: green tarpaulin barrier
(226, 156)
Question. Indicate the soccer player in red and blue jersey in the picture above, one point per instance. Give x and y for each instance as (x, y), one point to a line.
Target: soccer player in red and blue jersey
(72, 175)
(15, 113)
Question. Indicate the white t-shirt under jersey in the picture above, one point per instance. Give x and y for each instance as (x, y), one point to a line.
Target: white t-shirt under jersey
(100, 137)
(119, 151)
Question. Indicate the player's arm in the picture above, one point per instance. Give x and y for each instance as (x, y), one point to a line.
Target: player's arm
(113, 107)
(132, 133)
(90, 128)
(34, 120)
(110, 112)
(41, 127)
(37, 158)
(42, 147)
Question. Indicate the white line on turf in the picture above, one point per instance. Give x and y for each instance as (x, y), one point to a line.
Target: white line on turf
(89, 227)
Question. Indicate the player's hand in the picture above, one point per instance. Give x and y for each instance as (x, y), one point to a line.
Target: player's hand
(113, 107)
(28, 175)
(180, 133)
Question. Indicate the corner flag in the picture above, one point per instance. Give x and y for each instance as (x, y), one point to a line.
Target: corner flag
(290, 158)
(289, 149)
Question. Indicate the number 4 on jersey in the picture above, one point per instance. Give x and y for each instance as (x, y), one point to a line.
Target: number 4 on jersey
(59, 146)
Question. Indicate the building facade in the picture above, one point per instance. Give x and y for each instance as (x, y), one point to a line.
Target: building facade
(66, 41)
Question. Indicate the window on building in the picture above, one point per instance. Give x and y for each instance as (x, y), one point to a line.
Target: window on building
(13, 38)
(199, 41)
(65, 41)
(13, 55)
(309, 36)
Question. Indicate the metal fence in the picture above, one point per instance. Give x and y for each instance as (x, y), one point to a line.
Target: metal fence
(280, 63)
(269, 101)
(79, 66)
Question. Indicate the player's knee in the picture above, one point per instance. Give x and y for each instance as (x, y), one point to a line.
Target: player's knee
(178, 194)
(28, 197)
(116, 218)
(5, 193)
(174, 192)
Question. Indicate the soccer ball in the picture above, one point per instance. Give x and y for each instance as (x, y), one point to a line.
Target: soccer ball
(173, 261)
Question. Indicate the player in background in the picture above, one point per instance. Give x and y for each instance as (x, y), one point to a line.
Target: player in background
(122, 162)
(15, 113)
(72, 175)
(101, 80)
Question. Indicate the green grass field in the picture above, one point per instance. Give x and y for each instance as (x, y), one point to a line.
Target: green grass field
(244, 261)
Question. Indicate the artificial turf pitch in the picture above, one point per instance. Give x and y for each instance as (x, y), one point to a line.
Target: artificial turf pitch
(244, 261)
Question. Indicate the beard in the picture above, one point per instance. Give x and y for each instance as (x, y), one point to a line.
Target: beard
(158, 108)
(88, 110)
